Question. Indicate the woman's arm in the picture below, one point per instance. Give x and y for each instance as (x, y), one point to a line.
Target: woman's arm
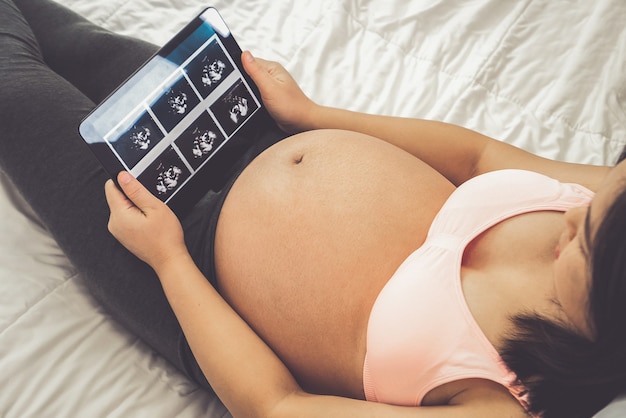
(244, 372)
(456, 152)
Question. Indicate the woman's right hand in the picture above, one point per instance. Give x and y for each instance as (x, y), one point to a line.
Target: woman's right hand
(282, 96)
(144, 224)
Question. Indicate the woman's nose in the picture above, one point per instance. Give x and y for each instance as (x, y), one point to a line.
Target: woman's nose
(574, 219)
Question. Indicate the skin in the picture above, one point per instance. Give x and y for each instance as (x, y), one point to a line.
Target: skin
(572, 278)
(300, 262)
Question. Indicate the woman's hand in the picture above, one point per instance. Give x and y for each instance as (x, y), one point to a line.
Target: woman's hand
(142, 223)
(282, 96)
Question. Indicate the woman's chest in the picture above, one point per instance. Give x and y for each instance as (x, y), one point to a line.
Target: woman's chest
(507, 270)
(503, 272)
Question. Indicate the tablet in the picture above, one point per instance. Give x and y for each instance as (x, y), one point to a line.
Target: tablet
(182, 119)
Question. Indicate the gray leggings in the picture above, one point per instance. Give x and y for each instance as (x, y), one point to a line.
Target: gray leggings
(54, 67)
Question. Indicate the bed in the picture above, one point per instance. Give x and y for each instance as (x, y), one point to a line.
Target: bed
(546, 76)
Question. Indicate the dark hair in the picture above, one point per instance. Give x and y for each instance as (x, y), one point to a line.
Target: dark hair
(564, 373)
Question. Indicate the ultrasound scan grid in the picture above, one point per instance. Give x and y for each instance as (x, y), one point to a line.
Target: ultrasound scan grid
(165, 175)
(175, 104)
(197, 141)
(209, 68)
(200, 140)
(137, 141)
(234, 107)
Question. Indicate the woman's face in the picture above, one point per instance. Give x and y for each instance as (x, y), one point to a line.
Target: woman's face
(572, 266)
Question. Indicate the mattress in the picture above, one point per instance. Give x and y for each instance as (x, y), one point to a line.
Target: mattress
(542, 75)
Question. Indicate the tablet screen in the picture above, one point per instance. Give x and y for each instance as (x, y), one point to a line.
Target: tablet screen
(175, 114)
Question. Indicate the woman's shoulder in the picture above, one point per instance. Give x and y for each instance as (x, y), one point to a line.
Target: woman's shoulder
(514, 187)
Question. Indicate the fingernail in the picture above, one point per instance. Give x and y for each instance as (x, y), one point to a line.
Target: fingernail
(248, 56)
(124, 177)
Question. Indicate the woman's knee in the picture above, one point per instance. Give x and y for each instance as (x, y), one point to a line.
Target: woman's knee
(17, 41)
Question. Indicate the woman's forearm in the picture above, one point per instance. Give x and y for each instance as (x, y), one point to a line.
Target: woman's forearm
(452, 150)
(456, 152)
(244, 372)
(252, 381)
(242, 369)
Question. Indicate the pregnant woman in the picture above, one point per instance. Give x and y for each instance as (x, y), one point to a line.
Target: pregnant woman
(363, 266)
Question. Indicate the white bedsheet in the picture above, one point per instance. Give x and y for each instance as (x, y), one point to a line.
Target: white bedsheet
(547, 76)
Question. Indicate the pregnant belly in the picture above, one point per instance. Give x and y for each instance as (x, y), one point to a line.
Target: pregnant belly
(309, 234)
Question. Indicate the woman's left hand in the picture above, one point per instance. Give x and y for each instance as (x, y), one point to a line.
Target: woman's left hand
(142, 223)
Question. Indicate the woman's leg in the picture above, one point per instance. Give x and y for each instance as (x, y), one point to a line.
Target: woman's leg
(42, 153)
(93, 59)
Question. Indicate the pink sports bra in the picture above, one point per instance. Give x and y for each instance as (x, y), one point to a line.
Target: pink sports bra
(421, 333)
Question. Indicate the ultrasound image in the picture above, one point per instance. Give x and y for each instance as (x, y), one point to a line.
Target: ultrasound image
(165, 175)
(200, 140)
(209, 68)
(175, 104)
(135, 143)
(234, 107)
